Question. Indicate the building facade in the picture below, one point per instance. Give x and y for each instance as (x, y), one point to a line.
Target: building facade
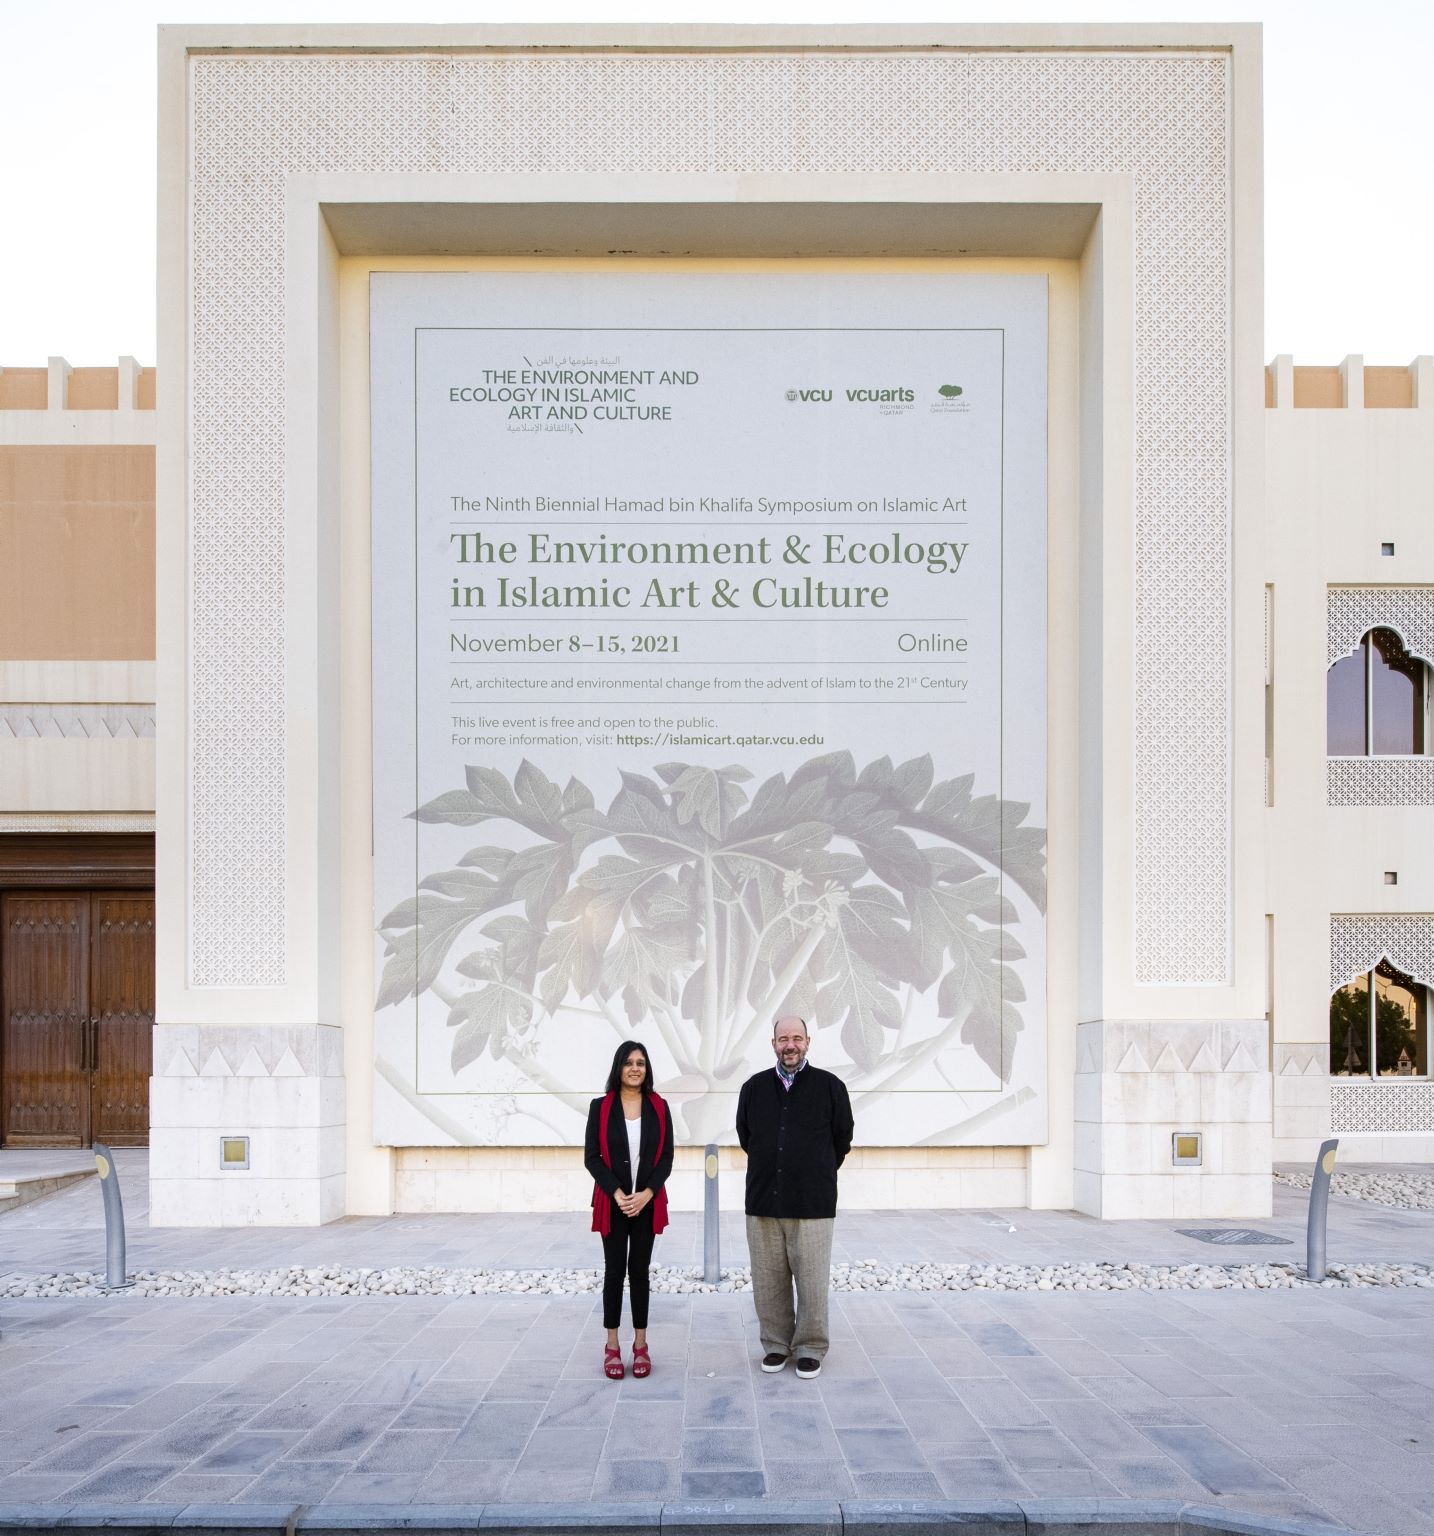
(1350, 474)
(1187, 932)
(77, 753)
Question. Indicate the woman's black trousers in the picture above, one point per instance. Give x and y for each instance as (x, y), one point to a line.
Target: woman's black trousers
(627, 1250)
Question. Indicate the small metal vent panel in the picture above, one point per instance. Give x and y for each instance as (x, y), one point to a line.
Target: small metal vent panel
(1232, 1236)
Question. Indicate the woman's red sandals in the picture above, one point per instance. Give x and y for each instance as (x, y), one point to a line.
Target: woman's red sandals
(612, 1366)
(641, 1360)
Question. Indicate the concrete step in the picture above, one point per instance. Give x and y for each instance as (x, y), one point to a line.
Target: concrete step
(24, 1189)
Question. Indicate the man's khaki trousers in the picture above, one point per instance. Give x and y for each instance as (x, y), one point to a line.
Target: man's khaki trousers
(788, 1251)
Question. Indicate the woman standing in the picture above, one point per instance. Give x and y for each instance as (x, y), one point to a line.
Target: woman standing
(629, 1154)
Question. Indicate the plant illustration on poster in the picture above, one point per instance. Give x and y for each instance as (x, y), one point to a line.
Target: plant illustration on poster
(670, 739)
(700, 908)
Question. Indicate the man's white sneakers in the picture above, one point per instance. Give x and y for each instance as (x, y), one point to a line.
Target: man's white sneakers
(774, 1362)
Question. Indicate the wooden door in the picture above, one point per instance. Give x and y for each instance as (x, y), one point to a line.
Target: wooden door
(44, 1020)
(122, 1016)
(76, 1018)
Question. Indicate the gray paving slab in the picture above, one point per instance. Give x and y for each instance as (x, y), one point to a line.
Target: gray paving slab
(65, 1231)
(299, 1482)
(1310, 1405)
(813, 1479)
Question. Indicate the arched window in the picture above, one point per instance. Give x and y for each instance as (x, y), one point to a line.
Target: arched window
(1379, 1026)
(1377, 700)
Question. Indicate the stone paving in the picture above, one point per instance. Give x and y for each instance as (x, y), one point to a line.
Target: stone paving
(1311, 1405)
(66, 1232)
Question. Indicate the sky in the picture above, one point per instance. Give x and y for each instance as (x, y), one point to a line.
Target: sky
(1349, 175)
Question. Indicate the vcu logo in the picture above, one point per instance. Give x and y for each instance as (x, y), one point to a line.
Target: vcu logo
(809, 394)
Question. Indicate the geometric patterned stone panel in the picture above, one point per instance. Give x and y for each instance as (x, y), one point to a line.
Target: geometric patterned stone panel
(1379, 780)
(1301, 1059)
(101, 722)
(1370, 1108)
(248, 1050)
(1173, 1045)
(1358, 943)
(1353, 611)
(1159, 119)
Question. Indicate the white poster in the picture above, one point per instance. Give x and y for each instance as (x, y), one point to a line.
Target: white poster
(709, 684)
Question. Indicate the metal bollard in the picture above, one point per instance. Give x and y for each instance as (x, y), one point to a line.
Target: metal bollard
(1319, 1209)
(115, 1276)
(711, 1231)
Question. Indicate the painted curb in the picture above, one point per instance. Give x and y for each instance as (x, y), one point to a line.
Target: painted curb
(690, 1517)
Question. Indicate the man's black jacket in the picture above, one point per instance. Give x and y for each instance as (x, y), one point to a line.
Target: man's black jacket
(795, 1139)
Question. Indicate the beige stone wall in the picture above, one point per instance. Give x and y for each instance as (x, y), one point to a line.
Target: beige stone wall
(63, 388)
(1388, 388)
(23, 389)
(1324, 388)
(77, 745)
(93, 389)
(77, 552)
(553, 1178)
(1318, 389)
(77, 609)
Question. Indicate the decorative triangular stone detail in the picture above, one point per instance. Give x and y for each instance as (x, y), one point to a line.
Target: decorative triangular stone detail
(1314, 1067)
(1133, 1061)
(1085, 1057)
(179, 1066)
(331, 1053)
(1204, 1060)
(1241, 1060)
(1167, 1060)
(289, 1066)
(252, 1065)
(216, 1065)
(1292, 1068)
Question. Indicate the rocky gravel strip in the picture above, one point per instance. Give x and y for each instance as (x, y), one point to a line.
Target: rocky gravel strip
(333, 1280)
(1403, 1191)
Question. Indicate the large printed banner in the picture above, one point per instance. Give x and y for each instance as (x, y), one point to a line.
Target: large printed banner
(709, 684)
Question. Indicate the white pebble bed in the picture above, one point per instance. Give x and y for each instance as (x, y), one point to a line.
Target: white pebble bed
(1403, 1191)
(335, 1280)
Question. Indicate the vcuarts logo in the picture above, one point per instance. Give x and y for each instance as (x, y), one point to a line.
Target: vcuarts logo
(897, 396)
(809, 394)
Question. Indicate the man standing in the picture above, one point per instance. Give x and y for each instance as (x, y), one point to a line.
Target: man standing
(795, 1126)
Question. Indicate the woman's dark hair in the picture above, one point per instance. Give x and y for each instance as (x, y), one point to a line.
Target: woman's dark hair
(614, 1078)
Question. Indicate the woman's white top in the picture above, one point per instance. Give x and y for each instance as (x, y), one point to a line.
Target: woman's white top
(634, 1141)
